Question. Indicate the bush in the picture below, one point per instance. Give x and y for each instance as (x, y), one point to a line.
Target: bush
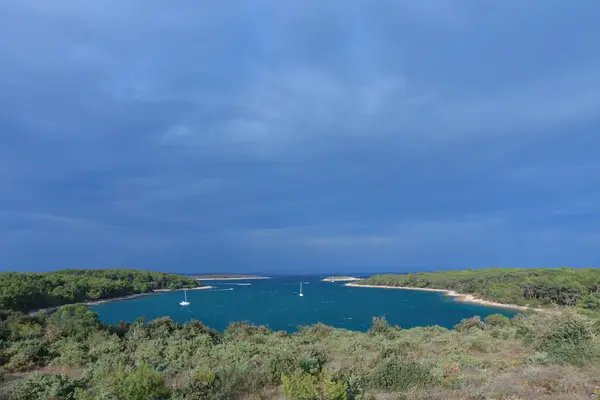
(26, 355)
(466, 324)
(125, 383)
(497, 320)
(278, 365)
(379, 325)
(315, 332)
(199, 384)
(539, 358)
(234, 379)
(566, 338)
(76, 321)
(42, 387)
(303, 386)
(400, 375)
(355, 383)
(72, 354)
(314, 361)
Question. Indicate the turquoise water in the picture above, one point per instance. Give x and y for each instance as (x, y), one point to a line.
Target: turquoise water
(275, 303)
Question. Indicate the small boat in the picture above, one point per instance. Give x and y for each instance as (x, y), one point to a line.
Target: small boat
(184, 302)
(301, 289)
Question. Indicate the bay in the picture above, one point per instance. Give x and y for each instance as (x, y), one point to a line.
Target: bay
(275, 303)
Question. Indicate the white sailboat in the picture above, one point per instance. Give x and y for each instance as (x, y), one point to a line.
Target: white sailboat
(184, 302)
(301, 289)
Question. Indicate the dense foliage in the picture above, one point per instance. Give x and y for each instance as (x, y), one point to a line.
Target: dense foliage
(31, 291)
(535, 287)
(72, 355)
(77, 357)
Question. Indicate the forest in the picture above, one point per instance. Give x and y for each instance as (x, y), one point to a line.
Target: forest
(533, 287)
(32, 291)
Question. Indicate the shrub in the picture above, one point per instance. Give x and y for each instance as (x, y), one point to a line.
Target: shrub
(73, 354)
(380, 326)
(466, 324)
(243, 330)
(75, 321)
(42, 387)
(355, 383)
(315, 332)
(199, 384)
(125, 383)
(497, 320)
(314, 361)
(278, 365)
(233, 379)
(566, 338)
(539, 358)
(303, 386)
(400, 375)
(26, 355)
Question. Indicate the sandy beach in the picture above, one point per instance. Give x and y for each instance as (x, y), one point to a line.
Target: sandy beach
(462, 297)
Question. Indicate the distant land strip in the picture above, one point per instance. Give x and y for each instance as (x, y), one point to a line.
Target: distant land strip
(341, 279)
(225, 277)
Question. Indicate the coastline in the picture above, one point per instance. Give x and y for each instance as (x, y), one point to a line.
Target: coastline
(340, 279)
(232, 279)
(178, 290)
(460, 297)
(51, 310)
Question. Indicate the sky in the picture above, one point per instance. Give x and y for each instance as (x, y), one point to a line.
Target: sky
(299, 136)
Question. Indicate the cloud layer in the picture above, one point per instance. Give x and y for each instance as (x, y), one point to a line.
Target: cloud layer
(322, 135)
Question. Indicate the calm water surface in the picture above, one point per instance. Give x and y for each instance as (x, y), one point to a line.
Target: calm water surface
(275, 303)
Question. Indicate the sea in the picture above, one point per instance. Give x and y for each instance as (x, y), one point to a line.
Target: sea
(275, 303)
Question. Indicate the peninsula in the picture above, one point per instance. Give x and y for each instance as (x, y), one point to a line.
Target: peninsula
(519, 288)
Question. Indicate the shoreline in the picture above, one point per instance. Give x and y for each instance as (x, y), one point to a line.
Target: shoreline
(232, 279)
(460, 297)
(179, 290)
(340, 279)
(51, 310)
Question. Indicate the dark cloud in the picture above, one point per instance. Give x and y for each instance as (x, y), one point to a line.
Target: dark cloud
(322, 134)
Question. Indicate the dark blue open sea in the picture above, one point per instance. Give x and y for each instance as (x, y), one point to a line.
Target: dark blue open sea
(275, 303)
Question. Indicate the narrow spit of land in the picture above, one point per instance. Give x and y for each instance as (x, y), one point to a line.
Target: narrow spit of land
(340, 279)
(226, 277)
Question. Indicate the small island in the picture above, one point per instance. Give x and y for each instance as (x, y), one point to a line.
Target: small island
(341, 279)
(226, 277)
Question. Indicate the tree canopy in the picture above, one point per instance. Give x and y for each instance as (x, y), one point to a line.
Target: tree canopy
(536, 287)
(31, 291)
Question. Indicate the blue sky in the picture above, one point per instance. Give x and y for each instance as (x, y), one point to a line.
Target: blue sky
(299, 136)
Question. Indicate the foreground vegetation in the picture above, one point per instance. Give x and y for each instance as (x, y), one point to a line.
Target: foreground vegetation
(533, 287)
(77, 357)
(72, 355)
(30, 291)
